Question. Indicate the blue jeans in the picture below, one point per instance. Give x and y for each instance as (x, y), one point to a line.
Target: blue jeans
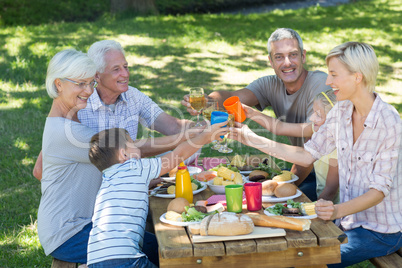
(142, 262)
(309, 186)
(364, 244)
(74, 249)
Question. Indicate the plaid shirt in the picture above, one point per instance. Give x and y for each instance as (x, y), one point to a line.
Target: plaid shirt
(132, 107)
(371, 163)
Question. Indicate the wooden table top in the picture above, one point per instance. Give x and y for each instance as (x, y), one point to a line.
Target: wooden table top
(313, 248)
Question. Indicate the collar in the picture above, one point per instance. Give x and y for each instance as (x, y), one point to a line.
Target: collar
(96, 103)
(373, 116)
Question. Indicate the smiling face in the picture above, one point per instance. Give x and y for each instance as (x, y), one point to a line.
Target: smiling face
(287, 61)
(72, 97)
(114, 80)
(318, 117)
(341, 80)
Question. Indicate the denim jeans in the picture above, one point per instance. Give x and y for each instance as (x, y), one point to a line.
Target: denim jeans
(365, 244)
(142, 262)
(74, 249)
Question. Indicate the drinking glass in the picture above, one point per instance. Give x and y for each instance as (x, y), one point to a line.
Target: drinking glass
(197, 102)
(224, 147)
(211, 105)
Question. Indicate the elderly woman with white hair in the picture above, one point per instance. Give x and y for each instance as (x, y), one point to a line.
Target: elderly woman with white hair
(70, 182)
(366, 131)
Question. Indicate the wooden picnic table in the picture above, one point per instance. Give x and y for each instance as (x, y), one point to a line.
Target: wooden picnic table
(313, 248)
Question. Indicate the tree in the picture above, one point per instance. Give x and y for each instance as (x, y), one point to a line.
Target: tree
(141, 6)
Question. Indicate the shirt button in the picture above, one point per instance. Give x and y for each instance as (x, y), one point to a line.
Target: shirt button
(343, 149)
(358, 158)
(365, 125)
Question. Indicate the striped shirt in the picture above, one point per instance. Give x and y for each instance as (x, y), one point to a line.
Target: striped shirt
(132, 107)
(121, 210)
(371, 163)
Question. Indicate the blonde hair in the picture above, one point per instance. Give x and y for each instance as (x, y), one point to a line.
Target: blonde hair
(357, 58)
(327, 98)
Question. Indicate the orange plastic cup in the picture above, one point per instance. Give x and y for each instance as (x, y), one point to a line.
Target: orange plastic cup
(233, 106)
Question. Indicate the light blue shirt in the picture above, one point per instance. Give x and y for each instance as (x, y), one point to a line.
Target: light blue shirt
(132, 107)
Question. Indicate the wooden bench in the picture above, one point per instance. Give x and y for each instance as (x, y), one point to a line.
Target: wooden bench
(63, 264)
(393, 260)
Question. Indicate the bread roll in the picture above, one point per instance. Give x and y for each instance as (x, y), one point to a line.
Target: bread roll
(268, 187)
(285, 189)
(280, 222)
(226, 224)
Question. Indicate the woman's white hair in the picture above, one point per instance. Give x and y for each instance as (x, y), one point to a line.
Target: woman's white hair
(284, 33)
(68, 63)
(357, 58)
(98, 50)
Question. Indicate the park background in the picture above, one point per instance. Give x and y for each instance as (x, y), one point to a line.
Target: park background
(167, 54)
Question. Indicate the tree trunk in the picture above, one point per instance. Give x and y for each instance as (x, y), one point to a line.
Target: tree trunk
(141, 6)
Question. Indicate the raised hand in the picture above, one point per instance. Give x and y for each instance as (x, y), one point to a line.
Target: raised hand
(186, 102)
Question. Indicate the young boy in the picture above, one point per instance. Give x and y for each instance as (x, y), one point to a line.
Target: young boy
(121, 208)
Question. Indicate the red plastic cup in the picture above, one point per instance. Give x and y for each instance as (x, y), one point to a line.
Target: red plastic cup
(233, 106)
(253, 192)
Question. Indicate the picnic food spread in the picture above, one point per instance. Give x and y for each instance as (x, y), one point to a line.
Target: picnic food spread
(226, 176)
(285, 189)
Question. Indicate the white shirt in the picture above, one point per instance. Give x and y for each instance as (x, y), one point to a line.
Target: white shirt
(371, 163)
(121, 210)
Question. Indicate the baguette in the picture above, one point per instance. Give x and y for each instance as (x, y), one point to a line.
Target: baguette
(226, 224)
(280, 222)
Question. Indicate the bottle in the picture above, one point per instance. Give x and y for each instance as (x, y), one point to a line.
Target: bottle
(183, 183)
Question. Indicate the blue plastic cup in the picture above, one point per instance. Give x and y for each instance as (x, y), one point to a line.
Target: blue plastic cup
(219, 117)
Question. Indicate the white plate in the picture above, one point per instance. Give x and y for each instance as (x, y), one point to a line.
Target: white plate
(294, 178)
(298, 217)
(245, 172)
(173, 195)
(176, 223)
(271, 198)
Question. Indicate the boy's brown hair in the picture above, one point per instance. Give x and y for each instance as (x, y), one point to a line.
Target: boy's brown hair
(105, 146)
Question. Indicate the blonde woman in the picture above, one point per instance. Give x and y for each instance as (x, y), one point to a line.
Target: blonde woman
(326, 168)
(366, 132)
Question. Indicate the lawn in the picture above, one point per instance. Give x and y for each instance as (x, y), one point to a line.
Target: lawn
(167, 55)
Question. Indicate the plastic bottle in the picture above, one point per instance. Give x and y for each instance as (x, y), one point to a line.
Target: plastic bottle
(183, 183)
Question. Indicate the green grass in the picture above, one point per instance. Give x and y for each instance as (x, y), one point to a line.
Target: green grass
(167, 55)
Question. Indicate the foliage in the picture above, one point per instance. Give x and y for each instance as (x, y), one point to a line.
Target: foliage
(25, 12)
(167, 55)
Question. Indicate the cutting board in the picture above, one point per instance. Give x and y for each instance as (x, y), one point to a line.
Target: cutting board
(258, 232)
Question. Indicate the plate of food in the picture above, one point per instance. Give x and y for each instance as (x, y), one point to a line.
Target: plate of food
(292, 209)
(280, 177)
(225, 176)
(176, 223)
(168, 189)
(273, 198)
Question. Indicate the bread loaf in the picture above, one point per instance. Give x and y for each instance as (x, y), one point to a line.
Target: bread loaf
(280, 222)
(226, 224)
